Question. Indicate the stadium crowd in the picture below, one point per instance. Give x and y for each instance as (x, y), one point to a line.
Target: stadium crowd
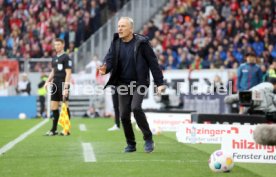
(194, 34)
(28, 27)
(214, 33)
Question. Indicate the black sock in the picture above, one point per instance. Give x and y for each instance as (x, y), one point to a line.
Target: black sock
(69, 114)
(55, 120)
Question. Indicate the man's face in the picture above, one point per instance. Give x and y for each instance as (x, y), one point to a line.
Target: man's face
(124, 28)
(58, 46)
(24, 78)
(251, 59)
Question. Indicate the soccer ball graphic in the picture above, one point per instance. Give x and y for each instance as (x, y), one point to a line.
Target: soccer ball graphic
(221, 162)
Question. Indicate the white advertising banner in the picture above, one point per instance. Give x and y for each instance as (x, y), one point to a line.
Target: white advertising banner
(82, 84)
(167, 122)
(183, 80)
(199, 79)
(92, 87)
(244, 149)
(205, 133)
(86, 84)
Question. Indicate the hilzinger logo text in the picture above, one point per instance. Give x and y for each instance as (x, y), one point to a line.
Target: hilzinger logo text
(212, 132)
(244, 144)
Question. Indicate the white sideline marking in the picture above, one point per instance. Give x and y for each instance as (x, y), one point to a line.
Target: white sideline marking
(160, 160)
(11, 144)
(88, 152)
(83, 127)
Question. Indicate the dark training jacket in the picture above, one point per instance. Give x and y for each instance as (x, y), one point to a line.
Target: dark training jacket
(144, 57)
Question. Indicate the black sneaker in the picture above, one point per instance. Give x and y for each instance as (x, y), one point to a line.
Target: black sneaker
(130, 148)
(149, 146)
(51, 133)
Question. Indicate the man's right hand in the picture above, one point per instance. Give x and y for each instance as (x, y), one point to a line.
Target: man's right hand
(102, 69)
(161, 89)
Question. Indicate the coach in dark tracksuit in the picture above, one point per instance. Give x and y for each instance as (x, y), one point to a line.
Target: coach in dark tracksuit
(129, 60)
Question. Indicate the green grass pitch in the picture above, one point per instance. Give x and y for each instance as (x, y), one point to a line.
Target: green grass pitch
(41, 156)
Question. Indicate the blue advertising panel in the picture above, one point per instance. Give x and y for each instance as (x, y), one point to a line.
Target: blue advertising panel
(12, 106)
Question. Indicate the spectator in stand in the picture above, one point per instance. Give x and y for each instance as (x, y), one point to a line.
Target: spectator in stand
(233, 28)
(80, 27)
(230, 61)
(24, 86)
(265, 75)
(151, 29)
(162, 62)
(207, 62)
(185, 62)
(218, 86)
(112, 6)
(87, 26)
(197, 63)
(156, 46)
(232, 83)
(258, 46)
(95, 16)
(272, 53)
(172, 63)
(104, 11)
(192, 26)
(33, 23)
(272, 70)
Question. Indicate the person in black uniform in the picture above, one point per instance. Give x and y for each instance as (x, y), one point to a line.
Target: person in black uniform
(59, 79)
(129, 60)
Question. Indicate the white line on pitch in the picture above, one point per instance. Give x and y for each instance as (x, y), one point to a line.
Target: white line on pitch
(148, 160)
(83, 127)
(88, 152)
(11, 144)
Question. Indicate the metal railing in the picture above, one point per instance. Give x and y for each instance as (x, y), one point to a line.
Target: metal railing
(140, 10)
(40, 64)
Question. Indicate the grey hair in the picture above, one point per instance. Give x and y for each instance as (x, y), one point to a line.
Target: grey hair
(130, 21)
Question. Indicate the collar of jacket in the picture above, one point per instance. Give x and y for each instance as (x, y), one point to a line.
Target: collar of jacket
(138, 40)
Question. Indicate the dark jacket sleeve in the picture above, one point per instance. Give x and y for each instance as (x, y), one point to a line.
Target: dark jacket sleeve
(28, 89)
(41, 84)
(108, 58)
(151, 58)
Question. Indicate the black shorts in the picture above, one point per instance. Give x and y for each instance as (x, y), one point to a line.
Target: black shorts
(57, 91)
